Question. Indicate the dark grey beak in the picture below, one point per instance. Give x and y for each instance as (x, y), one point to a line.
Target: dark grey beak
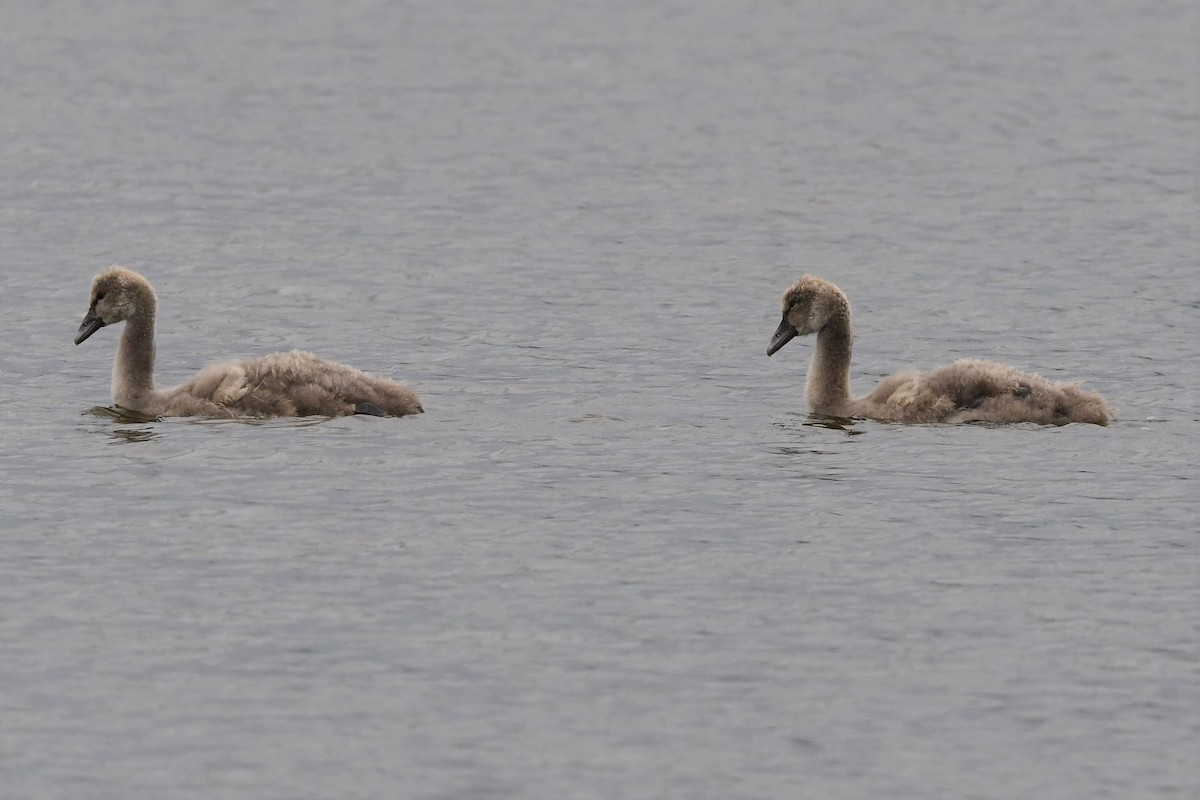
(91, 323)
(783, 335)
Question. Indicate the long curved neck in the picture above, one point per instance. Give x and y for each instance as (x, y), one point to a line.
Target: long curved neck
(828, 385)
(133, 370)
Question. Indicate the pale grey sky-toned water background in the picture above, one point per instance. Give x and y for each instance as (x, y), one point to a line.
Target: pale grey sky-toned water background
(615, 558)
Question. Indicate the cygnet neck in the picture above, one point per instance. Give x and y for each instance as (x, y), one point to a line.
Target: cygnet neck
(828, 384)
(133, 369)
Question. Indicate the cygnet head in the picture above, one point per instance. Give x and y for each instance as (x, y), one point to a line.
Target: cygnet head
(809, 305)
(117, 294)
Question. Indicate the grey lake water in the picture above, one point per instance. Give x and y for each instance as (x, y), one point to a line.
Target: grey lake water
(615, 558)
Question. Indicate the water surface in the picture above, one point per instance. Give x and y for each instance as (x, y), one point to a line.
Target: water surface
(615, 558)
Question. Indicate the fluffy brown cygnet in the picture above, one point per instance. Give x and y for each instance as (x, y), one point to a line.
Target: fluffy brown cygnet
(965, 391)
(291, 384)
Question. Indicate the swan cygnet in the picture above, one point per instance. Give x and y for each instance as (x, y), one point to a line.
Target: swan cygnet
(291, 384)
(965, 391)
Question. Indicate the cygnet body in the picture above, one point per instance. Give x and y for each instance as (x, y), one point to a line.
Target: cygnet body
(276, 385)
(964, 391)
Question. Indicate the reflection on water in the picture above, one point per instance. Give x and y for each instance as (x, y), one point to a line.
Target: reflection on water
(597, 418)
(133, 434)
(120, 414)
(125, 416)
(128, 416)
(845, 425)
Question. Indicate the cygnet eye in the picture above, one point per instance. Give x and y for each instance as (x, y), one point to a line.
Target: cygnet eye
(99, 297)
